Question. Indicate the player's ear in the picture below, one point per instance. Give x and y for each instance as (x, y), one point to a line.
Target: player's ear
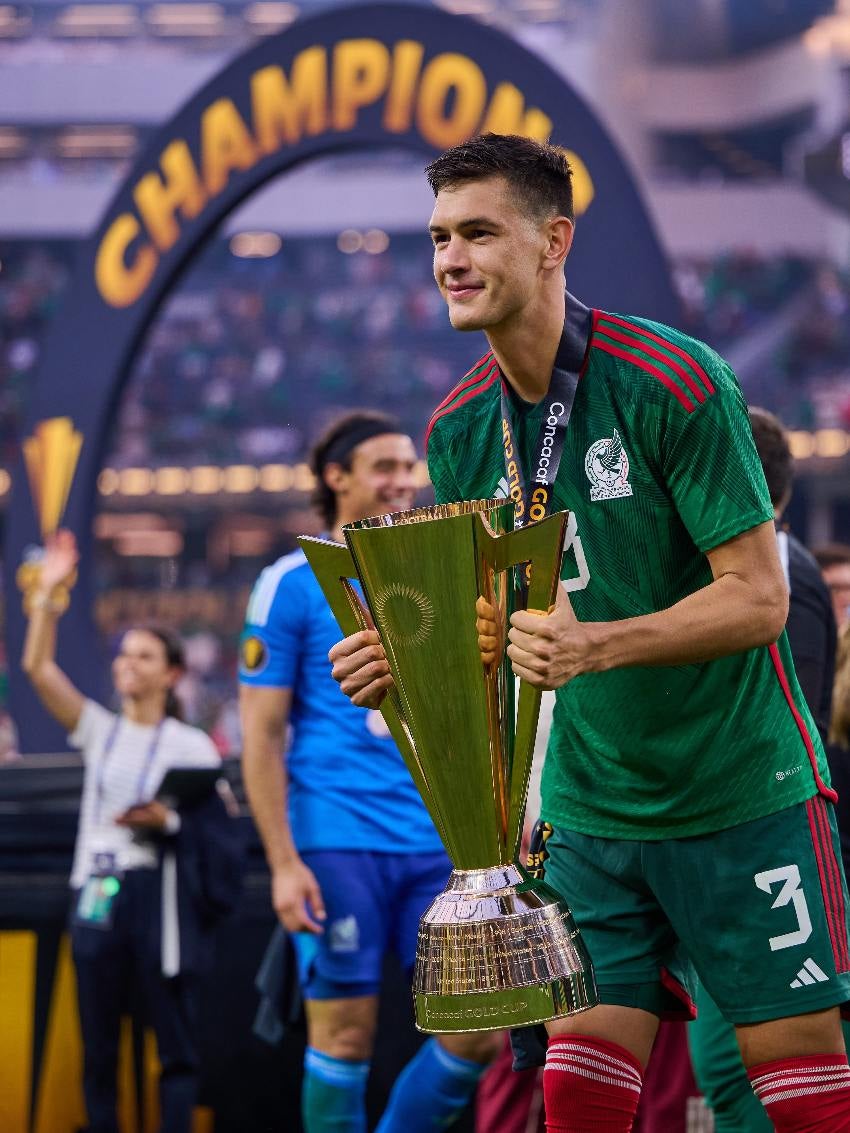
(334, 476)
(559, 239)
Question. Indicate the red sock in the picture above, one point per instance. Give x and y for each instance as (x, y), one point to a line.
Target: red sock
(805, 1095)
(590, 1086)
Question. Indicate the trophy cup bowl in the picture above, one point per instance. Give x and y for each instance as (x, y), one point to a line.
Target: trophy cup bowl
(497, 947)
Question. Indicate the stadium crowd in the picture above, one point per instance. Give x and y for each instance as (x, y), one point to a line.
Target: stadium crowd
(247, 355)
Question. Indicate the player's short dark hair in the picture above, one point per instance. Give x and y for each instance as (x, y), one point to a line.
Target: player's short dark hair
(832, 554)
(774, 453)
(336, 445)
(538, 173)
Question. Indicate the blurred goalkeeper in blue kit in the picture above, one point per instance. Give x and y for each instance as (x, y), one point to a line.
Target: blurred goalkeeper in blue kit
(354, 857)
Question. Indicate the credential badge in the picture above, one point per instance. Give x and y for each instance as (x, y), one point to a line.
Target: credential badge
(607, 468)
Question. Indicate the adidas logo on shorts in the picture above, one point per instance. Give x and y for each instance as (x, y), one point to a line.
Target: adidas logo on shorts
(810, 973)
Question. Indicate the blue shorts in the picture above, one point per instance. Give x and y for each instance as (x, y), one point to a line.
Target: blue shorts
(373, 904)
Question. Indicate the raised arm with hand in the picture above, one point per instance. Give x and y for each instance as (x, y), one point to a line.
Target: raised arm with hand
(59, 696)
(296, 895)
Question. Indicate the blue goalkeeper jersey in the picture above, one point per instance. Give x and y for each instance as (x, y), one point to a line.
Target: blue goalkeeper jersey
(349, 787)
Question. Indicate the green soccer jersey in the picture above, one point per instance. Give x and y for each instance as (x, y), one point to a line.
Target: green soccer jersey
(658, 467)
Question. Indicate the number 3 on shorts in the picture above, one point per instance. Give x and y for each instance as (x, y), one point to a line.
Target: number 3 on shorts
(789, 877)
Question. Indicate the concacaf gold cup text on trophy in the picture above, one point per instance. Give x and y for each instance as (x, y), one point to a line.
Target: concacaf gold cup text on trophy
(497, 948)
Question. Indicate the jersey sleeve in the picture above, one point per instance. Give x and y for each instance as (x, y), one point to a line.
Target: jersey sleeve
(446, 489)
(274, 632)
(711, 465)
(201, 751)
(92, 730)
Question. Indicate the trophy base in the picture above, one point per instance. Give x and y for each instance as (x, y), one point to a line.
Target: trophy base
(498, 949)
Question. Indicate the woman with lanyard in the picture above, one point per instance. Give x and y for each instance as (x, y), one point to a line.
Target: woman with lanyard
(130, 930)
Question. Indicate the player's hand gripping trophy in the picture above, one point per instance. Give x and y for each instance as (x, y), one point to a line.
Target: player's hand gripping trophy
(498, 947)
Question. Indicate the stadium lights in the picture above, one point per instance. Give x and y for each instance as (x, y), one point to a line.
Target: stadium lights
(468, 7)
(97, 20)
(267, 18)
(13, 143)
(349, 241)
(239, 478)
(831, 442)
(13, 22)
(235, 479)
(185, 19)
(374, 241)
(275, 478)
(149, 544)
(96, 141)
(255, 245)
(135, 481)
(205, 480)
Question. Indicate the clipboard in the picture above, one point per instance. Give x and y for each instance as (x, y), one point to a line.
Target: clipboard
(181, 786)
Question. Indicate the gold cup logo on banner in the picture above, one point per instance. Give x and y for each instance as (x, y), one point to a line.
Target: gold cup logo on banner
(497, 947)
(51, 456)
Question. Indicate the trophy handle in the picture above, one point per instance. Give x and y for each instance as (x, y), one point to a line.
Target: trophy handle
(541, 544)
(334, 569)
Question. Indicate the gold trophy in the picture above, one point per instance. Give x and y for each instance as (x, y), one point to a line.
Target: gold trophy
(51, 456)
(497, 948)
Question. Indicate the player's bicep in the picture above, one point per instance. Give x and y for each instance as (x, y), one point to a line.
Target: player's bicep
(712, 469)
(264, 713)
(753, 558)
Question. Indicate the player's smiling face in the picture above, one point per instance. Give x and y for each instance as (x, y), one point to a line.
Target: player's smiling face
(488, 253)
(380, 478)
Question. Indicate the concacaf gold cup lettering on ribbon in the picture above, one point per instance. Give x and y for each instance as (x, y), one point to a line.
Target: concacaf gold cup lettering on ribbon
(496, 948)
(51, 456)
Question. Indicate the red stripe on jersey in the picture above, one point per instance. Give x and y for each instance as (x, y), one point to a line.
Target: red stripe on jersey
(689, 1008)
(629, 340)
(827, 792)
(477, 373)
(642, 363)
(494, 374)
(830, 880)
(689, 358)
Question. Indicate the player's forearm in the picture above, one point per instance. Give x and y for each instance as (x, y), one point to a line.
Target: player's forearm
(264, 776)
(40, 641)
(728, 616)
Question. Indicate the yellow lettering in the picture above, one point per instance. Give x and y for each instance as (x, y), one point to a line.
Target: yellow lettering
(407, 63)
(361, 73)
(121, 285)
(226, 144)
(158, 198)
(506, 114)
(583, 189)
(443, 120)
(283, 108)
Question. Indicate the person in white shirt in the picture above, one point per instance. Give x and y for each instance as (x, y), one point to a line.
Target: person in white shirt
(132, 937)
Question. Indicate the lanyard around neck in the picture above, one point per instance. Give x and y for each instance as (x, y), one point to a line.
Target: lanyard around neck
(535, 502)
(108, 749)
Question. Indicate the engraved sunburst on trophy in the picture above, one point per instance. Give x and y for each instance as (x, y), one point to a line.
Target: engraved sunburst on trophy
(407, 614)
(51, 456)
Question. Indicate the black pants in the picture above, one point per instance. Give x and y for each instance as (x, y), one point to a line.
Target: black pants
(117, 966)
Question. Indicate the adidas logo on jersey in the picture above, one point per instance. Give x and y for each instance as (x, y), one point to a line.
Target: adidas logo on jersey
(501, 490)
(810, 973)
(344, 935)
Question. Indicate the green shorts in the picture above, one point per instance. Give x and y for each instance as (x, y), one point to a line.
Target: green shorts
(758, 912)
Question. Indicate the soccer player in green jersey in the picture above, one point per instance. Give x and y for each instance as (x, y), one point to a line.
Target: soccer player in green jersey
(684, 779)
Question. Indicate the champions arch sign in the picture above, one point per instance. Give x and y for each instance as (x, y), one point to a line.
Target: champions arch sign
(353, 78)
